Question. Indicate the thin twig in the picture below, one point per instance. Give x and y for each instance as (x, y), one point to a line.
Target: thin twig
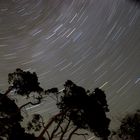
(50, 122)
(58, 125)
(39, 101)
(65, 130)
(84, 135)
(76, 128)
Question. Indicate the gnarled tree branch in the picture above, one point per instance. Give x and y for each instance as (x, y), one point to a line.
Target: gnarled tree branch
(58, 125)
(70, 135)
(65, 130)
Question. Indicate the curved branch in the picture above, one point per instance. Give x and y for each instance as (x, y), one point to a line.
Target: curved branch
(58, 125)
(61, 131)
(50, 122)
(39, 101)
(76, 128)
(65, 130)
(42, 121)
(47, 126)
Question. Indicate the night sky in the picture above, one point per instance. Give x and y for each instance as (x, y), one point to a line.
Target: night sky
(95, 43)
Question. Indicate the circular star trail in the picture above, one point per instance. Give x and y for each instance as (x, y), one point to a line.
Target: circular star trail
(94, 43)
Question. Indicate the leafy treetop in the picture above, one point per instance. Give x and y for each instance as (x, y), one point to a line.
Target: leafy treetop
(130, 127)
(24, 82)
(86, 110)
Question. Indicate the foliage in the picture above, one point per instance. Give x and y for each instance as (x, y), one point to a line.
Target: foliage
(24, 82)
(10, 118)
(86, 111)
(130, 127)
(36, 123)
(78, 109)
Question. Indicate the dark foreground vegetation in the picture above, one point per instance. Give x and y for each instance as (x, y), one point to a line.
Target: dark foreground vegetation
(129, 128)
(78, 110)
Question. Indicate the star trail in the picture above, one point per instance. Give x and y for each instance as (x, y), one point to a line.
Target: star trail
(95, 43)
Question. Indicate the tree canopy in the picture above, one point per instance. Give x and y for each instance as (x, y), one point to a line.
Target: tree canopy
(78, 109)
(86, 110)
(130, 127)
(24, 82)
(10, 118)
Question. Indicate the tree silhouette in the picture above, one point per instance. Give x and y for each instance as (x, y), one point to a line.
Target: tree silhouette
(78, 109)
(10, 119)
(23, 82)
(129, 128)
(83, 109)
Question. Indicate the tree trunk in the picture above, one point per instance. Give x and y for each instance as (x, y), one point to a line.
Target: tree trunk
(50, 122)
(65, 130)
(48, 125)
(56, 129)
